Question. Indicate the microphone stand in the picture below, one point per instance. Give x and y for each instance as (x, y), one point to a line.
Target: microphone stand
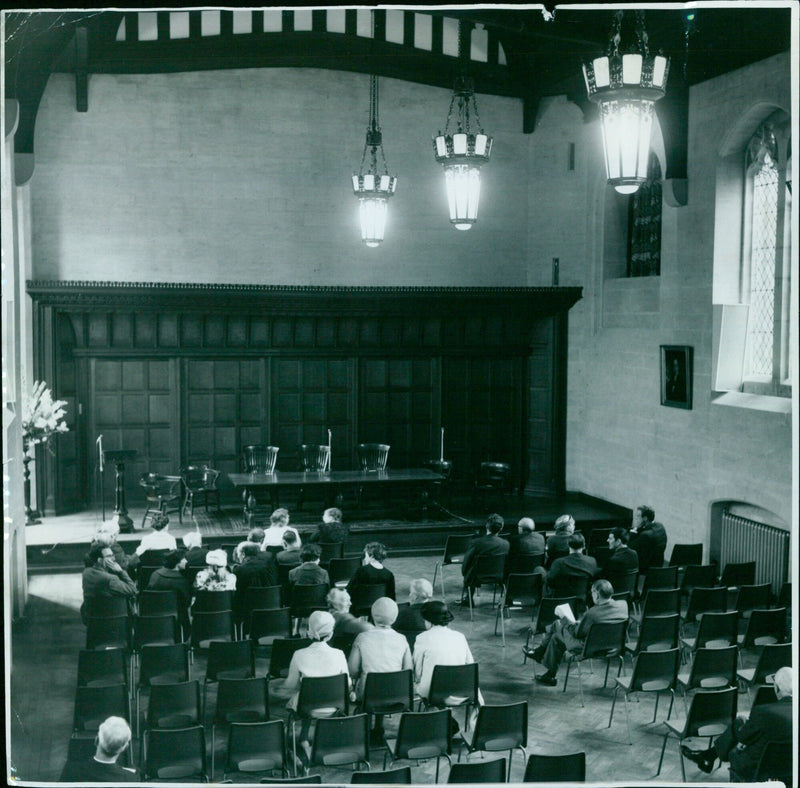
(101, 475)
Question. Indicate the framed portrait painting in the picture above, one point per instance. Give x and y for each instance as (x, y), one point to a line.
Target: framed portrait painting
(676, 376)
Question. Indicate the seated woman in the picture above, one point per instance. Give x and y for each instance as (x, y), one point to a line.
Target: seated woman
(215, 577)
(372, 570)
(339, 607)
(278, 526)
(318, 659)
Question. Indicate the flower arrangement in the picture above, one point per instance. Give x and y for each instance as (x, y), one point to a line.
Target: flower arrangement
(42, 416)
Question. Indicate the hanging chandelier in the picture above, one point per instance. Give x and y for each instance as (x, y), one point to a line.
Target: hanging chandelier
(626, 87)
(372, 188)
(462, 153)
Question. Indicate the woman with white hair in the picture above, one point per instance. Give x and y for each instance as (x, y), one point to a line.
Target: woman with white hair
(410, 619)
(278, 526)
(215, 577)
(339, 607)
(107, 536)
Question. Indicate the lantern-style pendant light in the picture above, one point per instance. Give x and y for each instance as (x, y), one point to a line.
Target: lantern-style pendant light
(626, 87)
(373, 188)
(462, 153)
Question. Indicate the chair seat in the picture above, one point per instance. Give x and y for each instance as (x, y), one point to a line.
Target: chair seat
(244, 715)
(325, 711)
(167, 678)
(455, 700)
(341, 758)
(235, 673)
(177, 770)
(655, 685)
(712, 682)
(501, 743)
(176, 721)
(422, 752)
(257, 765)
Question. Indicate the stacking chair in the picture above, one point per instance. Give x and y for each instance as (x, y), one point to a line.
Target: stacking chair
(343, 642)
(705, 600)
(657, 578)
(785, 596)
(716, 630)
(228, 660)
(256, 747)
(751, 597)
(362, 597)
(764, 627)
(158, 603)
(330, 550)
(164, 494)
(175, 754)
(623, 581)
(257, 598)
(212, 601)
(161, 664)
(154, 631)
(102, 668)
(388, 693)
(267, 625)
(339, 741)
(653, 671)
(109, 632)
(199, 481)
(319, 697)
(710, 714)
(604, 641)
(305, 599)
(454, 548)
(545, 615)
(453, 686)
(500, 728)
(489, 570)
(493, 771)
(712, 668)
(208, 627)
(764, 694)
(772, 658)
(340, 570)
(522, 563)
(521, 591)
(259, 458)
(656, 633)
(95, 704)
(281, 655)
(698, 576)
(741, 574)
(239, 700)
(106, 607)
(420, 737)
(685, 554)
(657, 602)
(569, 768)
(399, 776)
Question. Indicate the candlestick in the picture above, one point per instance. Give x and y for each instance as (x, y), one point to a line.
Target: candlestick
(441, 450)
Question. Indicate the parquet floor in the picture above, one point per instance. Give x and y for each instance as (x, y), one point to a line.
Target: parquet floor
(46, 643)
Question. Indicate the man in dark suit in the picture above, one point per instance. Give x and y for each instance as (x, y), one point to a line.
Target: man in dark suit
(331, 529)
(526, 542)
(488, 544)
(744, 742)
(647, 538)
(563, 635)
(621, 559)
(569, 576)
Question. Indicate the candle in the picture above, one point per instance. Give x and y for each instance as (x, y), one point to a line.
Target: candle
(441, 451)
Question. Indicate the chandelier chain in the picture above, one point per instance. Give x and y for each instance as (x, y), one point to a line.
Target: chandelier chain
(616, 34)
(641, 33)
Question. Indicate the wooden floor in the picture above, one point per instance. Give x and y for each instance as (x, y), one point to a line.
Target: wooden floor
(45, 646)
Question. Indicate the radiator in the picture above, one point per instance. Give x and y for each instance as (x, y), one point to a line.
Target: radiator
(746, 540)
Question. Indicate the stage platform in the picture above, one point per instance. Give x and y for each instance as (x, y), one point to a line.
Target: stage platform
(58, 544)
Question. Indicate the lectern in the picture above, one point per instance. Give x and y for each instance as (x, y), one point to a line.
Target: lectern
(119, 458)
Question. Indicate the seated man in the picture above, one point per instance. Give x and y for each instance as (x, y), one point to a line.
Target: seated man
(107, 535)
(256, 537)
(104, 577)
(487, 545)
(558, 543)
(339, 607)
(309, 572)
(331, 529)
(569, 575)
(563, 635)
(290, 555)
(410, 619)
(647, 538)
(379, 650)
(526, 542)
(113, 737)
(170, 577)
(621, 559)
(745, 741)
(254, 571)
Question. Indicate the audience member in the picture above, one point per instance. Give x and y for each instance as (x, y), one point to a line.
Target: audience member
(170, 577)
(195, 552)
(318, 659)
(438, 645)
(104, 577)
(278, 526)
(621, 559)
(558, 544)
(113, 738)
(290, 555)
(380, 650)
(647, 538)
(410, 619)
(159, 538)
(527, 541)
(372, 570)
(569, 575)
(345, 622)
(566, 635)
(309, 572)
(215, 577)
(331, 529)
(744, 742)
(107, 535)
(256, 537)
(254, 571)
(488, 544)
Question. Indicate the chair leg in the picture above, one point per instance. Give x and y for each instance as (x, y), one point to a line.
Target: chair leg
(628, 719)
(671, 702)
(613, 703)
(683, 765)
(213, 748)
(661, 759)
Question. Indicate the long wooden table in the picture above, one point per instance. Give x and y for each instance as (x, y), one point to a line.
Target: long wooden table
(336, 483)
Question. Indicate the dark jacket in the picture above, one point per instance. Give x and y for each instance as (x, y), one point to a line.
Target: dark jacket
(308, 574)
(367, 575)
(531, 543)
(288, 558)
(650, 543)
(568, 571)
(621, 560)
(557, 547)
(255, 571)
(770, 722)
(164, 579)
(329, 532)
(410, 619)
(92, 771)
(488, 544)
(102, 583)
(196, 556)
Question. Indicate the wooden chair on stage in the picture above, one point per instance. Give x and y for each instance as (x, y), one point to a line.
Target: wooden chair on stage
(256, 458)
(313, 459)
